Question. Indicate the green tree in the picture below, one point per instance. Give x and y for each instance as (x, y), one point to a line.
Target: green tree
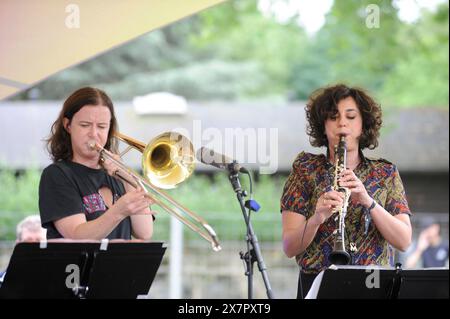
(233, 52)
(18, 199)
(420, 77)
(239, 32)
(347, 50)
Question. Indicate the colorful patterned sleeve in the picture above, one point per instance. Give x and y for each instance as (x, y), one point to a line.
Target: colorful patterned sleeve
(296, 194)
(396, 202)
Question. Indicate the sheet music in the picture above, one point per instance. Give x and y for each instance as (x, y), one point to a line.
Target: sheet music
(312, 293)
(421, 283)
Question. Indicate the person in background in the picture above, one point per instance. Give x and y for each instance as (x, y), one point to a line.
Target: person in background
(28, 230)
(430, 250)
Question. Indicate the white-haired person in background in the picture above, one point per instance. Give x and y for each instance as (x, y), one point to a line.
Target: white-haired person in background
(28, 229)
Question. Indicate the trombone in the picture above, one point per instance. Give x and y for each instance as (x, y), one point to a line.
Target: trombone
(167, 160)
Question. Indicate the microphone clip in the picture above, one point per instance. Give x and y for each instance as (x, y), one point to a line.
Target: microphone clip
(235, 167)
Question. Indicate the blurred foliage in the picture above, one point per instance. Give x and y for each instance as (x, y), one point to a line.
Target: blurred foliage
(421, 76)
(211, 198)
(233, 52)
(18, 199)
(215, 201)
(346, 50)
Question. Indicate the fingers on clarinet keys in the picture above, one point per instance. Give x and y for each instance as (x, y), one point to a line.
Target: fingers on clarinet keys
(334, 200)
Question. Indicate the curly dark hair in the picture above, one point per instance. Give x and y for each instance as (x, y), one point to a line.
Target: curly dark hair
(322, 104)
(59, 144)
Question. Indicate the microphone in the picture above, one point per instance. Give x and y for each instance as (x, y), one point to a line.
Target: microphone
(209, 157)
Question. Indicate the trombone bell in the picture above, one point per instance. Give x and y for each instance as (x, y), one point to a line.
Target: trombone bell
(168, 160)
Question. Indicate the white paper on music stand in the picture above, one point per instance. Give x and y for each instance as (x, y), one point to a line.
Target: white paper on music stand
(312, 293)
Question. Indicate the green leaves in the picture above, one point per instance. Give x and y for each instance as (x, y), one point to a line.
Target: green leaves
(18, 198)
(209, 197)
(234, 52)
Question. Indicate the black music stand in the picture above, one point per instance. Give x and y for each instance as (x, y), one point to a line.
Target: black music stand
(428, 283)
(74, 270)
(350, 282)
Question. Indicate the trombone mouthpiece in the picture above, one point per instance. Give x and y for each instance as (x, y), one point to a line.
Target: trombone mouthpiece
(92, 144)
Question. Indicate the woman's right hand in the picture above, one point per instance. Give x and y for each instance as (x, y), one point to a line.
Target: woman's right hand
(326, 203)
(134, 202)
(423, 242)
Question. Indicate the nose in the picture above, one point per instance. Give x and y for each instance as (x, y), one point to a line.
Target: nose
(342, 121)
(93, 131)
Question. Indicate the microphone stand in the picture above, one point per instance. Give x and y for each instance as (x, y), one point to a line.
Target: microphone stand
(253, 251)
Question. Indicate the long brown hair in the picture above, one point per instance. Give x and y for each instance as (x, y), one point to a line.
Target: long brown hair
(59, 144)
(323, 103)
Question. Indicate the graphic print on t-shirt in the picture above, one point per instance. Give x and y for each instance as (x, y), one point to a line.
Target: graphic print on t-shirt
(93, 203)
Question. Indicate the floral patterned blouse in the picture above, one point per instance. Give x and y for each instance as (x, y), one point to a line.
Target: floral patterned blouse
(311, 176)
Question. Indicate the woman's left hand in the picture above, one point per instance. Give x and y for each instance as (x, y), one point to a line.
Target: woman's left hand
(359, 193)
(110, 167)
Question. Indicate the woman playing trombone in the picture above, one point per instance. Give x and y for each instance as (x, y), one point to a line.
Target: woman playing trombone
(78, 196)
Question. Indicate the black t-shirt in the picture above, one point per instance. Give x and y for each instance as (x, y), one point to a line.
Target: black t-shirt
(67, 188)
(435, 256)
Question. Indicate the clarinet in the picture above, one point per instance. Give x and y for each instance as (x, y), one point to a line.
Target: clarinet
(339, 256)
